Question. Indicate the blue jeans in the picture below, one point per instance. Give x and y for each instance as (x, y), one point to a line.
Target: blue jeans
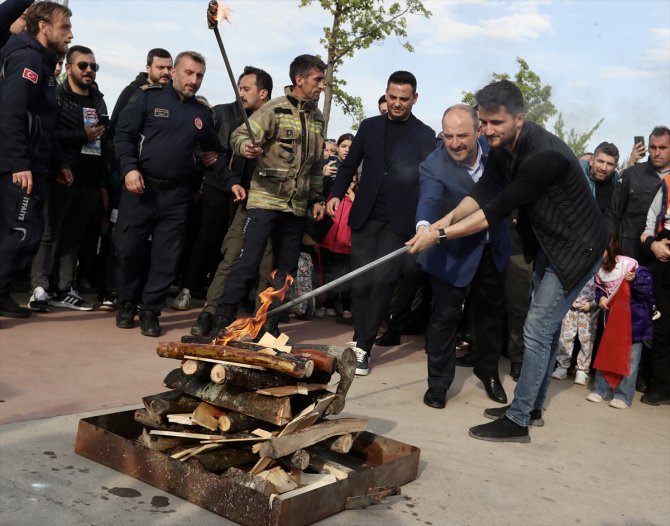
(626, 389)
(549, 305)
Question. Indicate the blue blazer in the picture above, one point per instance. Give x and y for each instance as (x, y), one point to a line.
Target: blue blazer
(444, 184)
(399, 180)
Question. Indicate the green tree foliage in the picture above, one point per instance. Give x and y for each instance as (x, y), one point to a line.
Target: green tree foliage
(539, 107)
(357, 24)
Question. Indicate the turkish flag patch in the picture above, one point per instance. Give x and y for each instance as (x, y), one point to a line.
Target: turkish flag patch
(30, 75)
(198, 123)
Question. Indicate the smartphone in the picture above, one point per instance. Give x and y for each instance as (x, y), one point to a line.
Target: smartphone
(638, 138)
(103, 120)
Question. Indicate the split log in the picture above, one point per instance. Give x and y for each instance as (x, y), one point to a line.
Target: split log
(202, 436)
(254, 482)
(323, 480)
(321, 463)
(232, 421)
(279, 479)
(207, 416)
(274, 410)
(284, 445)
(185, 419)
(252, 379)
(159, 443)
(294, 366)
(147, 418)
(298, 460)
(195, 367)
(341, 444)
(170, 402)
(222, 459)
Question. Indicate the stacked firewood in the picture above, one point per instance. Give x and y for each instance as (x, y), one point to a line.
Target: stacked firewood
(255, 412)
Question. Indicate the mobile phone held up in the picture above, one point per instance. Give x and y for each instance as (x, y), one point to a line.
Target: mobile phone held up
(638, 139)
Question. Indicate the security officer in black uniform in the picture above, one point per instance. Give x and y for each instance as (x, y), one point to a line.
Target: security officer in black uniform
(155, 142)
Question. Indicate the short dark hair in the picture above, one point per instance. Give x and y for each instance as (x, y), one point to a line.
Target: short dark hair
(345, 137)
(501, 94)
(466, 108)
(303, 64)
(607, 148)
(402, 77)
(263, 78)
(659, 131)
(43, 11)
(77, 49)
(193, 55)
(157, 52)
(381, 100)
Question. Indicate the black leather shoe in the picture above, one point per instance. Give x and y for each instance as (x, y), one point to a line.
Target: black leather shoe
(10, 309)
(149, 323)
(221, 321)
(388, 339)
(467, 360)
(435, 397)
(501, 430)
(203, 325)
(494, 388)
(125, 316)
(655, 398)
(498, 412)
(515, 371)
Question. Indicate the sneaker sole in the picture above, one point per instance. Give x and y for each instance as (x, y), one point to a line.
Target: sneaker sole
(362, 372)
(521, 440)
(107, 308)
(70, 306)
(180, 307)
(539, 422)
(38, 308)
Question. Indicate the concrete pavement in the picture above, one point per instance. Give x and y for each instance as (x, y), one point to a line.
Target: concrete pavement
(590, 464)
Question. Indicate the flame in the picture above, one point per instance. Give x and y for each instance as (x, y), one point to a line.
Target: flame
(223, 12)
(252, 326)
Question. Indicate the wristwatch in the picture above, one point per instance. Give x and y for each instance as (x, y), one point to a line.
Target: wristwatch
(441, 236)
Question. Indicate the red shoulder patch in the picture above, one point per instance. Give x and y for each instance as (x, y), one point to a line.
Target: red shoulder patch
(198, 123)
(30, 75)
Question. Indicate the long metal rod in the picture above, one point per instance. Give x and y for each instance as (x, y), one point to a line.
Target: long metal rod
(234, 83)
(336, 282)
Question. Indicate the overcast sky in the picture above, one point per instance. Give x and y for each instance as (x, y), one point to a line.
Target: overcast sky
(606, 59)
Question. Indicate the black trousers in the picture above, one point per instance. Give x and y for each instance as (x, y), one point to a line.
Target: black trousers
(161, 214)
(285, 229)
(21, 226)
(487, 295)
(371, 292)
(660, 354)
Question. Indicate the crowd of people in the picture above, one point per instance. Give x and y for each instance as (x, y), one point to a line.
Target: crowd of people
(508, 236)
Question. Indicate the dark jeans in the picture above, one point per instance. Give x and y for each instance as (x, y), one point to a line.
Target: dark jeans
(518, 277)
(486, 297)
(371, 292)
(161, 214)
(285, 229)
(21, 226)
(660, 354)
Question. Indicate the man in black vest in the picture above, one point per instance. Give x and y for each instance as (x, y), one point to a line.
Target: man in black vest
(560, 223)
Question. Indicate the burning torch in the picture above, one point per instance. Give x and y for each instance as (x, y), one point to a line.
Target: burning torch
(216, 13)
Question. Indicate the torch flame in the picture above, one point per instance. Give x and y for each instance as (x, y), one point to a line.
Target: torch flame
(216, 12)
(252, 326)
(223, 13)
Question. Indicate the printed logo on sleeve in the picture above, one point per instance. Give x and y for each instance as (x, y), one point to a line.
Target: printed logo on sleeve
(198, 123)
(30, 75)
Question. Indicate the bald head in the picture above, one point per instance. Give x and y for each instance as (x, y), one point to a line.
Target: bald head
(460, 125)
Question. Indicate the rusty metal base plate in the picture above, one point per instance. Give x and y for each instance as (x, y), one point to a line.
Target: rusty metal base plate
(111, 440)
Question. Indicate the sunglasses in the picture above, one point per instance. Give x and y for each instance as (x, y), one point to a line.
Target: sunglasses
(84, 65)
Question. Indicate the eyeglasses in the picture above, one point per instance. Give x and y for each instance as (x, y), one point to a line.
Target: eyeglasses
(84, 65)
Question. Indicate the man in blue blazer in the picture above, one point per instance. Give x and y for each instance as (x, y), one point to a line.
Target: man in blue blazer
(391, 147)
(471, 265)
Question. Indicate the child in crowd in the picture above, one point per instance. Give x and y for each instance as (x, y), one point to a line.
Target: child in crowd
(625, 292)
(581, 321)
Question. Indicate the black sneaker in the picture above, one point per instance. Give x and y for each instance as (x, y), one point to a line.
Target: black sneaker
(125, 316)
(110, 303)
(203, 325)
(362, 360)
(498, 412)
(149, 323)
(71, 300)
(10, 309)
(655, 398)
(501, 430)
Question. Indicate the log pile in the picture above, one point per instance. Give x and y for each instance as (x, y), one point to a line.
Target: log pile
(255, 412)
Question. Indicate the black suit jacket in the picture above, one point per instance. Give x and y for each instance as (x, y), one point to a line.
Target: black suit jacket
(399, 180)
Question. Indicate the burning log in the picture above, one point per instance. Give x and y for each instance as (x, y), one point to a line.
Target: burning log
(228, 374)
(323, 360)
(294, 366)
(281, 446)
(274, 410)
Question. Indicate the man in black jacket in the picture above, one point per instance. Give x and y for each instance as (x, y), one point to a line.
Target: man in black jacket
(391, 147)
(560, 224)
(72, 206)
(28, 149)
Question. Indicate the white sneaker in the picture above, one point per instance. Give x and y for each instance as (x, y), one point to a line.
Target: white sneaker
(617, 403)
(183, 300)
(594, 397)
(560, 373)
(331, 312)
(581, 378)
(39, 300)
(320, 313)
(71, 300)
